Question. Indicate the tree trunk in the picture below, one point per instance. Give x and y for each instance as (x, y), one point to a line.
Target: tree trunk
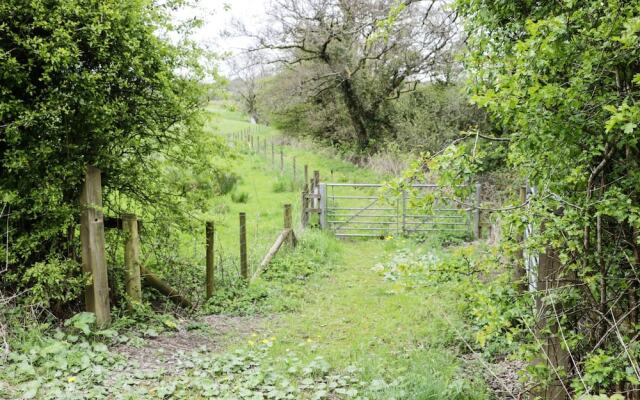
(356, 113)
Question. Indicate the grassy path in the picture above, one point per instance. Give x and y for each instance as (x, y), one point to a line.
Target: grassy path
(354, 317)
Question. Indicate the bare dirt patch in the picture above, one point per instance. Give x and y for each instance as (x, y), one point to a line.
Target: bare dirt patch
(166, 351)
(501, 376)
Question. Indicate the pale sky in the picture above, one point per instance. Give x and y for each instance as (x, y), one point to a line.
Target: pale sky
(219, 15)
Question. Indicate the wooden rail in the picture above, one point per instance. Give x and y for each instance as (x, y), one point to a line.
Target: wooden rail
(287, 236)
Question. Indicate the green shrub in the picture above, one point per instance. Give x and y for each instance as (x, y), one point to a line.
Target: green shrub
(240, 197)
(281, 286)
(54, 281)
(283, 184)
(227, 182)
(235, 296)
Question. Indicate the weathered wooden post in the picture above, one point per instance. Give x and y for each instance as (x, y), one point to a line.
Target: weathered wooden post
(306, 174)
(210, 236)
(287, 216)
(549, 337)
(316, 178)
(288, 223)
(132, 258)
(244, 268)
(305, 205)
(314, 188)
(476, 213)
(93, 255)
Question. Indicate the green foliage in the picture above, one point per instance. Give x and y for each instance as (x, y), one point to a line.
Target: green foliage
(281, 287)
(239, 197)
(423, 120)
(601, 370)
(72, 363)
(432, 116)
(227, 182)
(283, 184)
(354, 63)
(248, 373)
(112, 84)
(55, 281)
(602, 397)
(77, 364)
(493, 309)
(82, 322)
(569, 129)
(234, 296)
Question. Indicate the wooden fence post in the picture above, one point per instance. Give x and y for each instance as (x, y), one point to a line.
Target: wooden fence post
(314, 188)
(316, 178)
(288, 223)
(306, 174)
(244, 270)
(476, 213)
(93, 254)
(555, 356)
(210, 236)
(132, 258)
(287, 216)
(305, 205)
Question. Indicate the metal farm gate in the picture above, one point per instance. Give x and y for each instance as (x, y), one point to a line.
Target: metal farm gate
(360, 210)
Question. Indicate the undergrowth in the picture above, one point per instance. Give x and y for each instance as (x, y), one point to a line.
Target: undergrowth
(280, 288)
(498, 320)
(75, 363)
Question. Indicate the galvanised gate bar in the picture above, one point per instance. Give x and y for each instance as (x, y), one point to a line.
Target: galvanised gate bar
(363, 210)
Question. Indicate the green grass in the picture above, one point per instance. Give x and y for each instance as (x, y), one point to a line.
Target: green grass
(267, 189)
(354, 317)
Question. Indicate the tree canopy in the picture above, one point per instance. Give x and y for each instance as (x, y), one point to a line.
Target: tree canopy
(359, 55)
